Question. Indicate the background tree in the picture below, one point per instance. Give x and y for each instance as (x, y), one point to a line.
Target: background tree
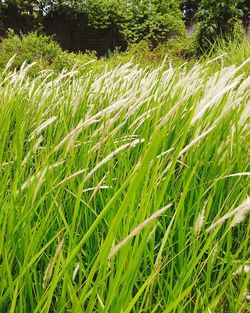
(218, 19)
(245, 7)
(153, 20)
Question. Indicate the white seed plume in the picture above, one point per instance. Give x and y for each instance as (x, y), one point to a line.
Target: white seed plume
(94, 119)
(105, 160)
(80, 172)
(96, 188)
(238, 174)
(44, 125)
(76, 131)
(112, 154)
(39, 184)
(205, 106)
(240, 215)
(199, 221)
(138, 230)
(28, 182)
(237, 213)
(49, 270)
(76, 270)
(242, 269)
(247, 295)
(189, 146)
(33, 150)
(196, 140)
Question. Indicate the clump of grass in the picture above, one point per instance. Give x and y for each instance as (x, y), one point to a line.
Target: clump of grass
(87, 164)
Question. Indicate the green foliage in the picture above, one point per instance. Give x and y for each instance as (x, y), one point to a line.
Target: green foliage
(89, 161)
(152, 20)
(137, 20)
(218, 19)
(245, 7)
(29, 48)
(48, 55)
(45, 52)
(28, 8)
(103, 14)
(174, 52)
(82, 63)
(228, 53)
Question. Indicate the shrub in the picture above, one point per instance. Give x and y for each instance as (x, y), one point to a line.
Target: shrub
(156, 21)
(177, 51)
(218, 19)
(29, 48)
(67, 61)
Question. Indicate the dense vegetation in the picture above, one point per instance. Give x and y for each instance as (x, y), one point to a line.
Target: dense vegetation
(125, 179)
(152, 20)
(126, 190)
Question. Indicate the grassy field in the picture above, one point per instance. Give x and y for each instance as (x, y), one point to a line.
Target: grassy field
(125, 191)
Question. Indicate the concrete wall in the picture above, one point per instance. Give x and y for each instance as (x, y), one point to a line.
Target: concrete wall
(75, 35)
(14, 21)
(247, 30)
(72, 34)
(191, 29)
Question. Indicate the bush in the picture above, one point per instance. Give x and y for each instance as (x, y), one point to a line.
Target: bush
(177, 51)
(156, 21)
(43, 50)
(135, 20)
(67, 61)
(29, 48)
(218, 19)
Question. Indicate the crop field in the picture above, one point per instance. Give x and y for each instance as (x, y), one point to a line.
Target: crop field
(126, 190)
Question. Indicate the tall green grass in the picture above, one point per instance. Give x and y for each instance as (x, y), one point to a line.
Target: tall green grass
(125, 191)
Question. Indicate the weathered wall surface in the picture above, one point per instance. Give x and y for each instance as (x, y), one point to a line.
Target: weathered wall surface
(247, 30)
(76, 35)
(14, 21)
(192, 25)
(72, 34)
